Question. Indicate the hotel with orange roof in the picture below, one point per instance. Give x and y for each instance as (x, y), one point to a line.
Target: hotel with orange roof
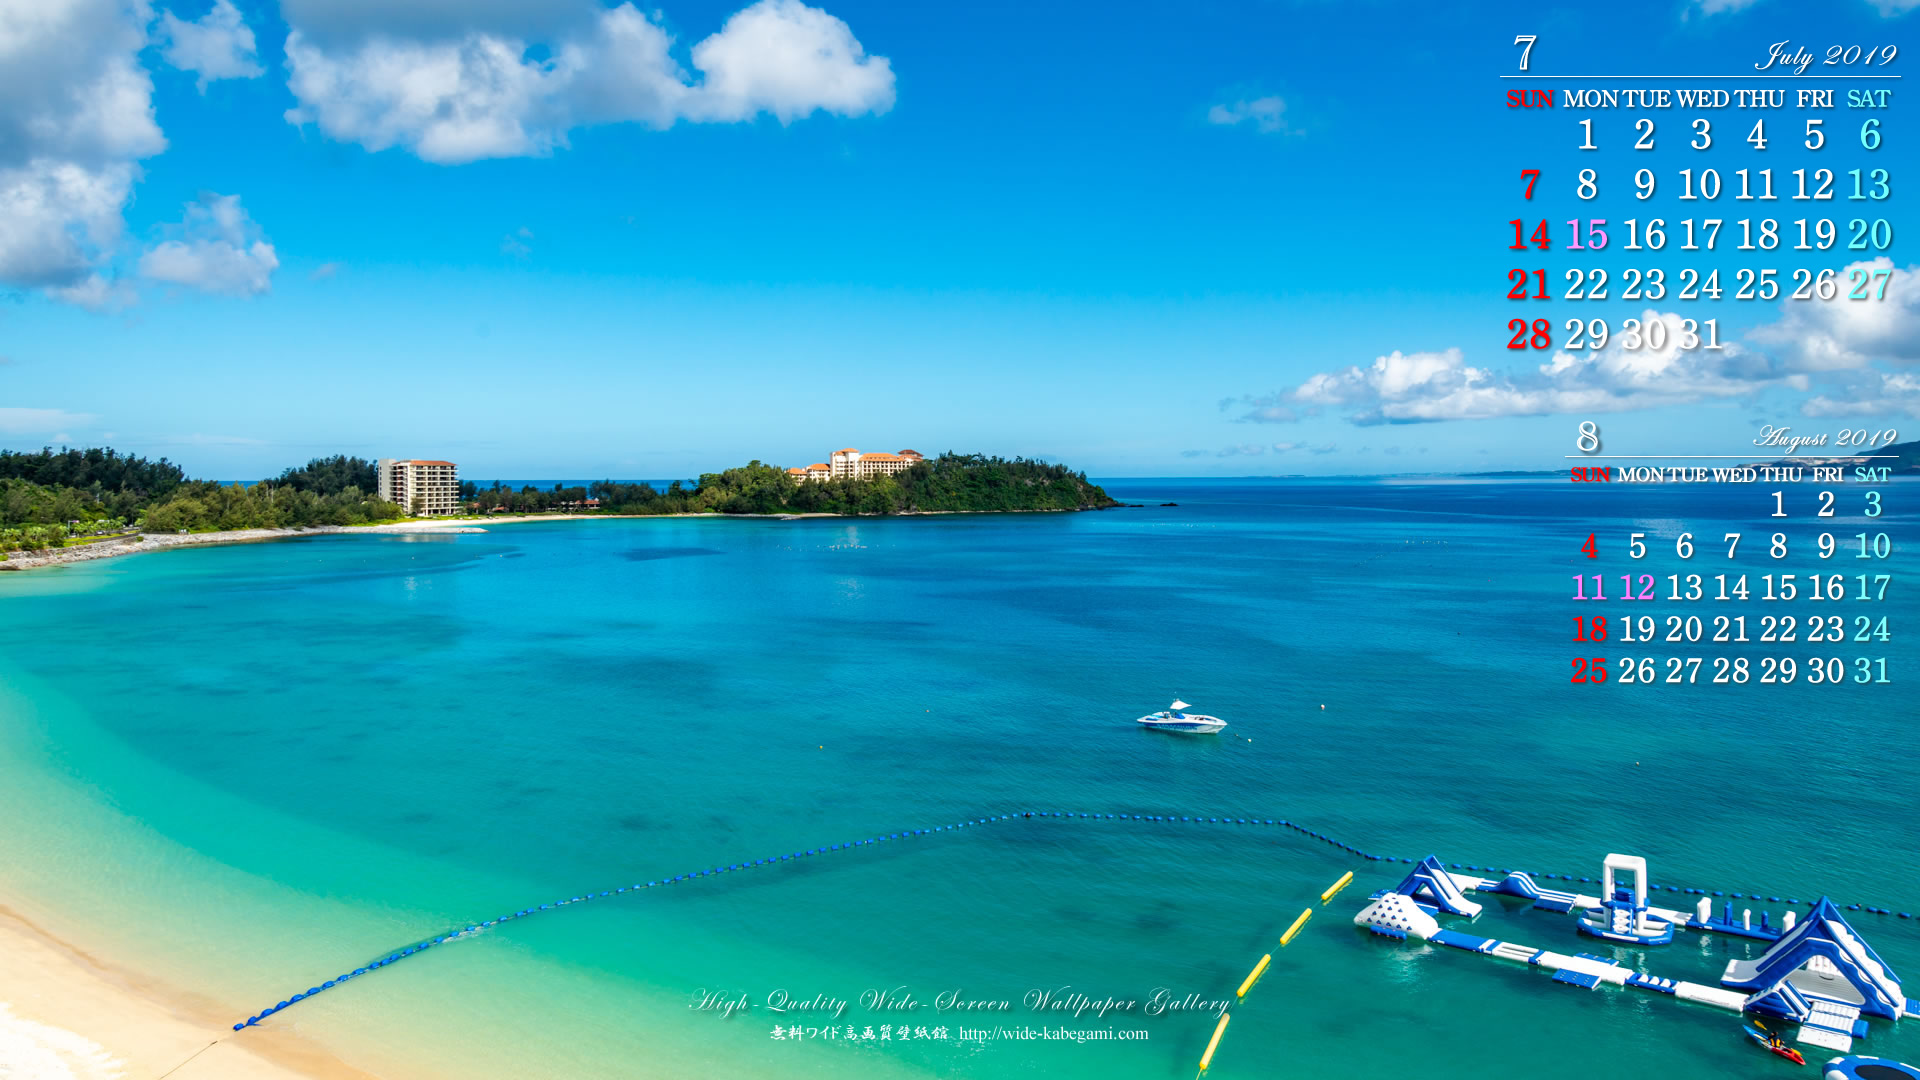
(851, 464)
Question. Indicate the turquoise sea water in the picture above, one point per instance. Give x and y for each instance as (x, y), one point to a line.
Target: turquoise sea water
(246, 769)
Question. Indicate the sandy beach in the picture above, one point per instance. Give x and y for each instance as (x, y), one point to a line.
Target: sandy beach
(134, 545)
(68, 1015)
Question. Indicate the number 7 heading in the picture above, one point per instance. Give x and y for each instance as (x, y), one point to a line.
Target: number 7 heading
(1531, 175)
(1528, 40)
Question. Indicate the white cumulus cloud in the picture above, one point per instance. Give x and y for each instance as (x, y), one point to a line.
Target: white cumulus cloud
(60, 219)
(97, 292)
(1873, 393)
(217, 45)
(216, 248)
(76, 116)
(1843, 333)
(785, 58)
(458, 95)
(343, 20)
(1401, 388)
(1268, 115)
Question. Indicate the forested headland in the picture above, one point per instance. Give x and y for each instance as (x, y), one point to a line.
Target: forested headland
(950, 483)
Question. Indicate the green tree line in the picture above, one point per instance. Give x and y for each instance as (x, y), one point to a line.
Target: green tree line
(948, 483)
(50, 498)
(199, 505)
(331, 476)
(105, 483)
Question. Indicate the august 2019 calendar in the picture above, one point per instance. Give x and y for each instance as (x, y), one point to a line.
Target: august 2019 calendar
(814, 538)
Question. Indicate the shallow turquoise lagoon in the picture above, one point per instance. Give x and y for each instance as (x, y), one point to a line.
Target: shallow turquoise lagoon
(247, 769)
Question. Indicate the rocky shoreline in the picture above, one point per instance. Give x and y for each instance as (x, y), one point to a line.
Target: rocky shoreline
(131, 545)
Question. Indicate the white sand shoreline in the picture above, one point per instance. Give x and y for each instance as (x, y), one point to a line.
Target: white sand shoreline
(134, 545)
(67, 1015)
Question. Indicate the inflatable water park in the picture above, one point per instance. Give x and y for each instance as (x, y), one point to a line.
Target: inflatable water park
(1817, 972)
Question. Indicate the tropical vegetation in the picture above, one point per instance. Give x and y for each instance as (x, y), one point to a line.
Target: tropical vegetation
(49, 498)
(946, 484)
(54, 498)
(331, 476)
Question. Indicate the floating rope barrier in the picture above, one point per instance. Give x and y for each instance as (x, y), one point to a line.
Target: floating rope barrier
(1333, 890)
(1206, 1059)
(1253, 976)
(473, 929)
(1287, 937)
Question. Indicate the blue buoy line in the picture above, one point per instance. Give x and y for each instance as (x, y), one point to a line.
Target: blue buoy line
(404, 952)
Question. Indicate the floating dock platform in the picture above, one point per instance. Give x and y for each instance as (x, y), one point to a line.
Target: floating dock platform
(1584, 967)
(1818, 972)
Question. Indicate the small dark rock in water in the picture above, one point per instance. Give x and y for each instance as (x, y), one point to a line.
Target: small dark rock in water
(1169, 504)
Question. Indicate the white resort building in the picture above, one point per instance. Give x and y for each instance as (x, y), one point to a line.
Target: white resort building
(853, 465)
(425, 488)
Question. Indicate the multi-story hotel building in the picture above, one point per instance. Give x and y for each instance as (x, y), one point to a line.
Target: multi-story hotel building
(421, 487)
(851, 464)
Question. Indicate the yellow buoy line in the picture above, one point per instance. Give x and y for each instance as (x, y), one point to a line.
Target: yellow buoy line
(1259, 969)
(1253, 976)
(1346, 879)
(1213, 1044)
(1295, 928)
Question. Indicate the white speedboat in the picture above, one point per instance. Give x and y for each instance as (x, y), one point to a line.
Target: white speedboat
(1176, 718)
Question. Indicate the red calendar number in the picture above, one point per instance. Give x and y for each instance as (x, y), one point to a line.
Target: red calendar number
(1519, 236)
(1519, 290)
(1589, 671)
(1540, 338)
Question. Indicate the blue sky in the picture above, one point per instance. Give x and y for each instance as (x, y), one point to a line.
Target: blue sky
(568, 239)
